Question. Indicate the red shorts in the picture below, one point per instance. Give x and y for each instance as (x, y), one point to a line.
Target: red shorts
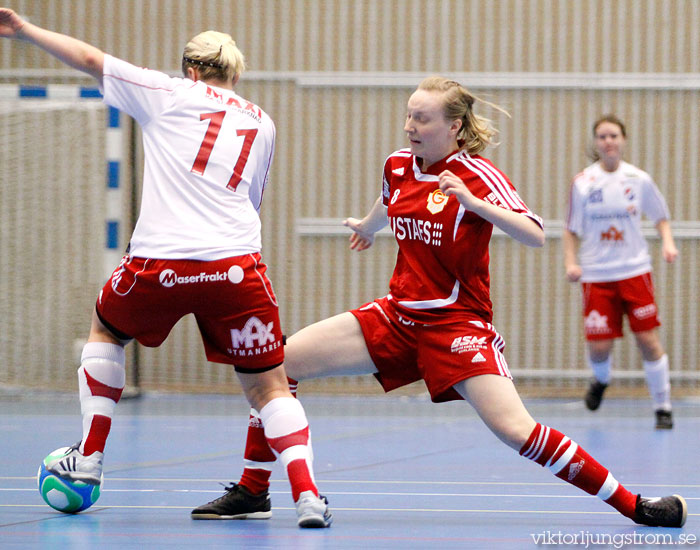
(232, 300)
(605, 303)
(441, 355)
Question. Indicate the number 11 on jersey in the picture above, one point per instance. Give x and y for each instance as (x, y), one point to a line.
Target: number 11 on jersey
(200, 162)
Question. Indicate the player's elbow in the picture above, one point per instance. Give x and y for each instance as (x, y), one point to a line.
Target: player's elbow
(93, 62)
(539, 240)
(535, 239)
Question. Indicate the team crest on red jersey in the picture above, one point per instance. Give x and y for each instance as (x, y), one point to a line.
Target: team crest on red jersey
(436, 201)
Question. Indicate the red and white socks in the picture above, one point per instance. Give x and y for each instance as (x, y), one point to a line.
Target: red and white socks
(569, 461)
(287, 433)
(101, 379)
(258, 458)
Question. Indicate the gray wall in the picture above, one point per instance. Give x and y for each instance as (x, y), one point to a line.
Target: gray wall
(335, 76)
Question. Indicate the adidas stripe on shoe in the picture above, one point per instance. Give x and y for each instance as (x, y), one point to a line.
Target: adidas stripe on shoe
(75, 466)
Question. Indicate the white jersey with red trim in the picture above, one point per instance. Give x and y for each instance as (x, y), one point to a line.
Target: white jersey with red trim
(207, 156)
(443, 259)
(605, 211)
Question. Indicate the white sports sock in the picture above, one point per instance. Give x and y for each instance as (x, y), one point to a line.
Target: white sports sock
(601, 369)
(659, 382)
(104, 364)
(287, 433)
(281, 418)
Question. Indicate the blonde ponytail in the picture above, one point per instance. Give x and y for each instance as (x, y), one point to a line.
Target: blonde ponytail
(477, 132)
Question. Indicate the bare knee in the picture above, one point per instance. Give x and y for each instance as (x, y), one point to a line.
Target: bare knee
(498, 404)
(599, 350)
(649, 344)
(515, 432)
(262, 387)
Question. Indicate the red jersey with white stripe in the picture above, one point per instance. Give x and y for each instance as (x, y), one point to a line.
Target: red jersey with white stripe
(443, 260)
(207, 156)
(605, 211)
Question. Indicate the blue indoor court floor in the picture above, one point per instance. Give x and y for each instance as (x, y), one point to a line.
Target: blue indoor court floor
(399, 472)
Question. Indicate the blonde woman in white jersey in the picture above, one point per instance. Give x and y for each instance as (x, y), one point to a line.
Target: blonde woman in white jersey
(605, 249)
(195, 248)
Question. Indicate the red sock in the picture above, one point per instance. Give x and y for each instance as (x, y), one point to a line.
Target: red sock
(258, 458)
(570, 462)
(298, 471)
(293, 385)
(97, 435)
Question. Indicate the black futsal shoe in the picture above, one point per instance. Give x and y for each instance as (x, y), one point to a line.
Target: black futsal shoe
(236, 503)
(664, 420)
(661, 512)
(594, 395)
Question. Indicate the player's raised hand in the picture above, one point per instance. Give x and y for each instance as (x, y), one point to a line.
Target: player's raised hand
(360, 239)
(10, 23)
(452, 185)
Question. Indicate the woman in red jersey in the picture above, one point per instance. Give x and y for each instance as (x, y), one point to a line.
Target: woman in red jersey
(442, 199)
(195, 248)
(605, 249)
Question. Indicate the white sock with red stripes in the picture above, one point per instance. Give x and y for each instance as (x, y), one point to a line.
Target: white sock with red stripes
(287, 433)
(258, 458)
(101, 379)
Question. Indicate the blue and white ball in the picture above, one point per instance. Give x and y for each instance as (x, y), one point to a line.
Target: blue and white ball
(64, 495)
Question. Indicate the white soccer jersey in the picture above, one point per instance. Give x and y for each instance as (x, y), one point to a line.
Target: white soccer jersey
(207, 156)
(605, 211)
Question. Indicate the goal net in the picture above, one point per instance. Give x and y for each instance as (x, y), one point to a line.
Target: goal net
(52, 211)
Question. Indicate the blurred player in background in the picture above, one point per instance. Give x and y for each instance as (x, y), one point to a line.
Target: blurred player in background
(195, 248)
(604, 226)
(442, 200)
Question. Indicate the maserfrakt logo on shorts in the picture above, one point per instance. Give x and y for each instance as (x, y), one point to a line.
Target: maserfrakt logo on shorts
(168, 278)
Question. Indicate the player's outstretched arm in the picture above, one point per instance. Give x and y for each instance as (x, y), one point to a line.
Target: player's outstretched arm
(73, 52)
(364, 229)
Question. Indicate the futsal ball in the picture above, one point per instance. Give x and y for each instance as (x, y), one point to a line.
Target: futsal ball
(62, 494)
